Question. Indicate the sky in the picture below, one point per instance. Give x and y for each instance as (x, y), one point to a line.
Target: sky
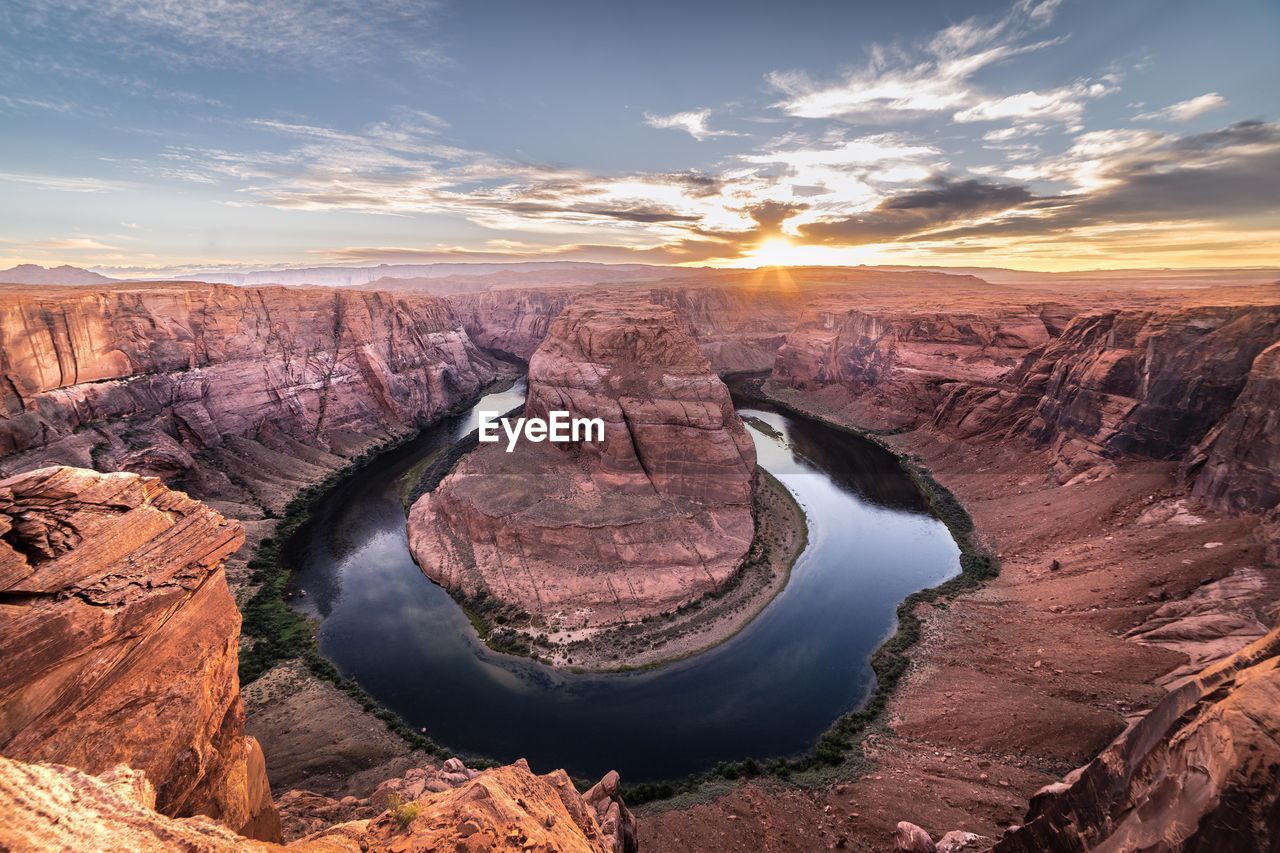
(156, 137)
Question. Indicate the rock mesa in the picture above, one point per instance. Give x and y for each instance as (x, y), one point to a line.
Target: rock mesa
(654, 516)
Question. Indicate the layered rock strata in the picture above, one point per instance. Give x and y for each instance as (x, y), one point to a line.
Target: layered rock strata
(237, 395)
(1196, 773)
(54, 807)
(737, 328)
(119, 641)
(602, 532)
(1191, 385)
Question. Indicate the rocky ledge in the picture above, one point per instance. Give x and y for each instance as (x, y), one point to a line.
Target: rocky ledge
(119, 641)
(593, 534)
(1196, 773)
(53, 807)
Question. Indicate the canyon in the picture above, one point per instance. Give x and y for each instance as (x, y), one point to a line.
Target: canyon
(1116, 445)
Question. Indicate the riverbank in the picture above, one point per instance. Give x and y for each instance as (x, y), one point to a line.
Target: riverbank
(1009, 685)
(319, 731)
(781, 537)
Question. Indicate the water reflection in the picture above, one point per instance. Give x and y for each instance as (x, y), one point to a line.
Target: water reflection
(771, 690)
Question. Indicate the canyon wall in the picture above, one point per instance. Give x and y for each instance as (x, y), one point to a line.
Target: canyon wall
(239, 395)
(737, 329)
(899, 361)
(1194, 385)
(655, 515)
(1197, 773)
(511, 321)
(119, 641)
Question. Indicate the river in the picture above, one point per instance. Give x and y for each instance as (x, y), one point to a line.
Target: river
(770, 690)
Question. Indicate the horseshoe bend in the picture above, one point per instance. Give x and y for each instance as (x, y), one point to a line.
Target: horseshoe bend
(667, 427)
(593, 534)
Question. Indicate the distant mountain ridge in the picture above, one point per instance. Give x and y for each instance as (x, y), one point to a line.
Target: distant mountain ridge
(567, 271)
(65, 274)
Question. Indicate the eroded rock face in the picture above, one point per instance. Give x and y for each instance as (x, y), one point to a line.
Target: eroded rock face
(53, 807)
(119, 641)
(233, 394)
(1197, 773)
(1237, 465)
(1142, 383)
(1197, 385)
(511, 321)
(737, 328)
(901, 361)
(655, 515)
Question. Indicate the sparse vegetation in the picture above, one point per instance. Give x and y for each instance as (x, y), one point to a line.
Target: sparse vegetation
(274, 632)
(401, 812)
(840, 745)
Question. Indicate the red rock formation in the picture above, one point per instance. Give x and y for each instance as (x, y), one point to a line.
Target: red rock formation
(511, 321)
(654, 516)
(1237, 465)
(1140, 383)
(900, 361)
(737, 328)
(52, 807)
(1198, 772)
(1103, 385)
(119, 641)
(229, 393)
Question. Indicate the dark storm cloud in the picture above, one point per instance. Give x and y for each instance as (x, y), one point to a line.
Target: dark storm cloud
(770, 215)
(1229, 174)
(900, 216)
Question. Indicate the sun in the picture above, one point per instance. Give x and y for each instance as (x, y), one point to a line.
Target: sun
(777, 252)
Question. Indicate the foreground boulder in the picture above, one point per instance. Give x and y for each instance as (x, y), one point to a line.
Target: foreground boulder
(594, 533)
(1199, 772)
(52, 807)
(119, 641)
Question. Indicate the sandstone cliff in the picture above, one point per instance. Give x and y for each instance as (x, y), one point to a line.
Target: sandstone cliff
(1193, 385)
(119, 641)
(654, 516)
(1138, 383)
(53, 807)
(241, 395)
(900, 361)
(737, 328)
(1235, 466)
(1197, 773)
(511, 321)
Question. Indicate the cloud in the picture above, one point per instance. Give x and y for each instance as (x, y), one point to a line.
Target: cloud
(693, 123)
(909, 213)
(932, 78)
(841, 153)
(1229, 177)
(62, 183)
(1064, 104)
(770, 216)
(16, 102)
(72, 244)
(312, 33)
(1188, 109)
(1006, 134)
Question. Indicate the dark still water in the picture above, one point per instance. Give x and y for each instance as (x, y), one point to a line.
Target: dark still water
(771, 690)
